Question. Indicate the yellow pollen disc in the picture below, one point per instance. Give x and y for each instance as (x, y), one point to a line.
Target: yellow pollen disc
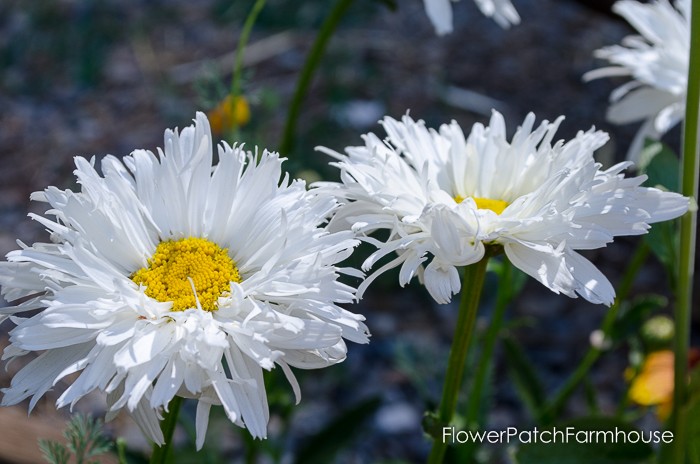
(497, 206)
(207, 264)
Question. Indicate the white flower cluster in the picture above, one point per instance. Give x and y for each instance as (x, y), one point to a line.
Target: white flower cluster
(657, 61)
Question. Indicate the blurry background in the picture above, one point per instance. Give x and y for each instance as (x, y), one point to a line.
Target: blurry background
(106, 77)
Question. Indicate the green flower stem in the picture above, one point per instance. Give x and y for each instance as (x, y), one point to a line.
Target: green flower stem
(502, 300)
(307, 73)
(686, 260)
(472, 285)
(121, 451)
(163, 454)
(550, 412)
(237, 76)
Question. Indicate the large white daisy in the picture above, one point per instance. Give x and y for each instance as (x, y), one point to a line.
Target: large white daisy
(169, 276)
(657, 61)
(440, 13)
(444, 198)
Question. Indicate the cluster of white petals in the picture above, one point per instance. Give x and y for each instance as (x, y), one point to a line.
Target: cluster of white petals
(443, 198)
(657, 61)
(440, 13)
(95, 320)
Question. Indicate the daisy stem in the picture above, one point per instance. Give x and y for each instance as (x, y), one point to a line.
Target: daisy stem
(307, 73)
(472, 285)
(121, 450)
(237, 76)
(551, 410)
(505, 294)
(162, 454)
(686, 260)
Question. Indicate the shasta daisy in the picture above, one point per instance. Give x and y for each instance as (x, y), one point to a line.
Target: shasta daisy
(657, 61)
(444, 198)
(167, 275)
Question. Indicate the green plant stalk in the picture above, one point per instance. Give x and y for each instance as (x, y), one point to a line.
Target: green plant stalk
(490, 339)
(121, 451)
(550, 412)
(237, 76)
(162, 454)
(472, 285)
(307, 72)
(686, 261)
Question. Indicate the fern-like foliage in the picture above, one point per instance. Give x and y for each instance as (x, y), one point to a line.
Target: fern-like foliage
(54, 452)
(84, 440)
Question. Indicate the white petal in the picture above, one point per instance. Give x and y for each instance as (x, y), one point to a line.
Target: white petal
(590, 282)
(151, 342)
(291, 378)
(37, 377)
(440, 14)
(639, 104)
(148, 421)
(441, 281)
(545, 264)
(202, 422)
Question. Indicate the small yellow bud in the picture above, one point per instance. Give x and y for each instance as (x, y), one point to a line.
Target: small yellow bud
(229, 112)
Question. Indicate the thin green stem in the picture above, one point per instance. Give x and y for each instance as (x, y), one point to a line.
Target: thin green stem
(163, 454)
(550, 412)
(686, 260)
(307, 72)
(504, 297)
(472, 285)
(237, 76)
(121, 451)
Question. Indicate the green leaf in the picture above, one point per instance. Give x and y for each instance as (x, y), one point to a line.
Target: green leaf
(594, 444)
(54, 453)
(85, 440)
(664, 241)
(322, 447)
(524, 375)
(661, 164)
(85, 437)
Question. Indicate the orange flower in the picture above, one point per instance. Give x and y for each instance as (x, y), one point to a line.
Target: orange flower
(653, 386)
(227, 113)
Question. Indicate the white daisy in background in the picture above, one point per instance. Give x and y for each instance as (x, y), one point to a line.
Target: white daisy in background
(168, 276)
(440, 13)
(444, 198)
(657, 61)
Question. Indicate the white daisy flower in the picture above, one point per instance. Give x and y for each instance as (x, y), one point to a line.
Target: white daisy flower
(440, 13)
(444, 199)
(168, 276)
(657, 62)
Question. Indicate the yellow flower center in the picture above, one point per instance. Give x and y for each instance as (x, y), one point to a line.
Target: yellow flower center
(175, 262)
(497, 206)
